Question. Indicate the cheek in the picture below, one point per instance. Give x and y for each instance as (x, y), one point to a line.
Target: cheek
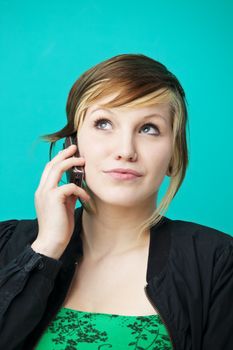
(157, 167)
(160, 157)
(90, 146)
(93, 155)
(93, 161)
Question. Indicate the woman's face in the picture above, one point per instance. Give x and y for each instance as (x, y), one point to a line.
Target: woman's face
(108, 138)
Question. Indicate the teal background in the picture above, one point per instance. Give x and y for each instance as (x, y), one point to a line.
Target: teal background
(46, 45)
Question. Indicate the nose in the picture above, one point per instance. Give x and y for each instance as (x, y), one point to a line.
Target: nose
(125, 149)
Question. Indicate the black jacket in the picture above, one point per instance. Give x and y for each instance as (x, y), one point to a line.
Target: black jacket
(189, 282)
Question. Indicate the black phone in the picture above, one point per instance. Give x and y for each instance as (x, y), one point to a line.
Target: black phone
(76, 174)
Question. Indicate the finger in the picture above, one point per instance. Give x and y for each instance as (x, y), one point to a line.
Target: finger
(70, 189)
(56, 171)
(58, 158)
(63, 153)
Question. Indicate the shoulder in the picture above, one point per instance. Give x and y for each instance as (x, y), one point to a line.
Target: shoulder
(199, 254)
(183, 227)
(200, 238)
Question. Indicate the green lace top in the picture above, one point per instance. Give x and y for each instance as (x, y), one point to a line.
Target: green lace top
(72, 329)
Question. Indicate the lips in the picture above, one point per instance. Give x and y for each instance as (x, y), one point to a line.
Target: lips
(124, 171)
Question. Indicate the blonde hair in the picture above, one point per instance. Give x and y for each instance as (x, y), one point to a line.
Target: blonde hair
(139, 81)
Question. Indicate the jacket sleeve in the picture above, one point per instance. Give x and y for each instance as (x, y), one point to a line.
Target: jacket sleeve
(26, 280)
(219, 330)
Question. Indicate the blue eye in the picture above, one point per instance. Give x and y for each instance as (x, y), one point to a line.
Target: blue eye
(151, 125)
(100, 121)
(102, 124)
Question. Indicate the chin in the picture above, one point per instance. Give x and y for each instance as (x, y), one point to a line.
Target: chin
(120, 201)
(122, 197)
(120, 204)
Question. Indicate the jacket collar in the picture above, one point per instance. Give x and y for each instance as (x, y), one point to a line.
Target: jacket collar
(159, 246)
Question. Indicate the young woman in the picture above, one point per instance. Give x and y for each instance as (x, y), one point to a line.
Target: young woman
(116, 273)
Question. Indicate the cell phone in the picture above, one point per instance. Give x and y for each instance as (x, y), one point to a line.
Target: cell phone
(76, 174)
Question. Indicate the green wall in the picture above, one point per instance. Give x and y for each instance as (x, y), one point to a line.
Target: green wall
(46, 45)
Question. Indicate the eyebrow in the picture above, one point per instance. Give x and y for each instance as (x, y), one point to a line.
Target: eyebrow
(144, 117)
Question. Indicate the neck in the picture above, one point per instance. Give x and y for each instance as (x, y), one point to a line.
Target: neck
(114, 230)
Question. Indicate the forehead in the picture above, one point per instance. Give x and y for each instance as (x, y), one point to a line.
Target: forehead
(147, 109)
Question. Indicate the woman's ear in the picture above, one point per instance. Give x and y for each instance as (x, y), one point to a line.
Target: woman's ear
(169, 170)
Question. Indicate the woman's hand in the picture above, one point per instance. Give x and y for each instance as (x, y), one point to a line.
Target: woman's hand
(55, 204)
